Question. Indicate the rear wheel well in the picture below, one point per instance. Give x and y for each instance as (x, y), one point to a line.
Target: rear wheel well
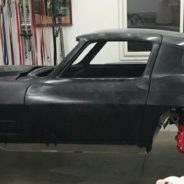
(173, 116)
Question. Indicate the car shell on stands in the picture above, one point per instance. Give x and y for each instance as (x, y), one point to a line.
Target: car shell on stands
(96, 104)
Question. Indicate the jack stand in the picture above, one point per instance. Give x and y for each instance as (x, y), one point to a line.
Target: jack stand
(47, 144)
(143, 164)
(5, 143)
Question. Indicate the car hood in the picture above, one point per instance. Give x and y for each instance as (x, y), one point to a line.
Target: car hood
(14, 70)
(22, 72)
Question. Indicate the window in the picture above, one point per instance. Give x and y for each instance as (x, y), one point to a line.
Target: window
(101, 60)
(149, 14)
(157, 14)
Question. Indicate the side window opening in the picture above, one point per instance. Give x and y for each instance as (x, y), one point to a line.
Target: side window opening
(102, 60)
(84, 53)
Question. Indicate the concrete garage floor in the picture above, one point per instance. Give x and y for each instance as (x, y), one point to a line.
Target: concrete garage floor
(94, 164)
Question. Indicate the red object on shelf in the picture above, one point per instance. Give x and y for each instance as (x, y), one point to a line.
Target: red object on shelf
(180, 138)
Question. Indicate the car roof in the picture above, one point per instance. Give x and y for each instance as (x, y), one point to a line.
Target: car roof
(149, 35)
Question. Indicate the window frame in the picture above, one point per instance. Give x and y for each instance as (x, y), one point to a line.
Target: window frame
(141, 57)
(94, 51)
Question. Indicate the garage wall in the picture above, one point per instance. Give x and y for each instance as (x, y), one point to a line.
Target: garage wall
(90, 16)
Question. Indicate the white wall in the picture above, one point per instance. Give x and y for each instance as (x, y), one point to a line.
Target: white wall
(90, 16)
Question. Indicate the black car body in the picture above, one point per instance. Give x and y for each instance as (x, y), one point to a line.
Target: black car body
(81, 103)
